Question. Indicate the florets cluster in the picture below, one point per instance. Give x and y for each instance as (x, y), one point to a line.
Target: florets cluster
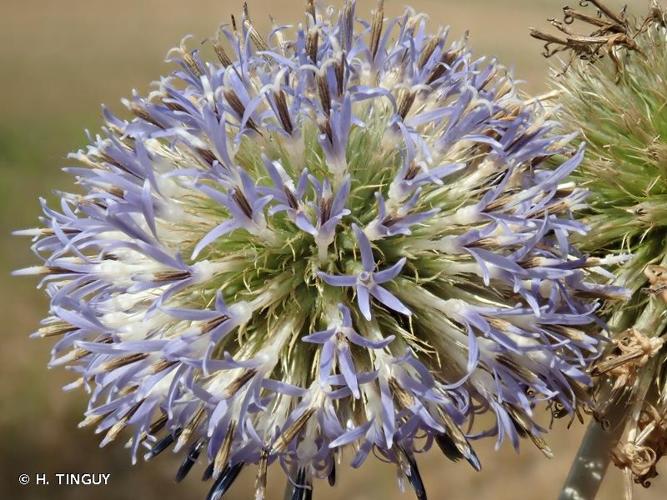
(343, 234)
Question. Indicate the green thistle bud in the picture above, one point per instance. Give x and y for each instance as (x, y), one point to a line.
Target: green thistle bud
(613, 90)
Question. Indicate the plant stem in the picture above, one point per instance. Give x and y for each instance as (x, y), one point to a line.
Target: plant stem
(592, 460)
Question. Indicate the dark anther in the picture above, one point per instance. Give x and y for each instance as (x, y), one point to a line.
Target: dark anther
(405, 101)
(192, 65)
(412, 172)
(206, 155)
(213, 323)
(312, 44)
(239, 108)
(164, 443)
(242, 202)
(428, 51)
(325, 128)
(347, 26)
(208, 472)
(143, 114)
(323, 91)
(452, 452)
(256, 38)
(222, 54)
(376, 28)
(262, 470)
(56, 330)
(236, 384)
(224, 481)
(339, 69)
(520, 429)
(168, 276)
(161, 365)
(325, 209)
(446, 60)
(448, 447)
(302, 489)
(390, 220)
(158, 424)
(283, 112)
(520, 142)
(332, 475)
(189, 461)
(291, 199)
(415, 478)
(59, 270)
(124, 361)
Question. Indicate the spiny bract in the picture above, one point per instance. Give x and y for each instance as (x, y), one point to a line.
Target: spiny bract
(348, 237)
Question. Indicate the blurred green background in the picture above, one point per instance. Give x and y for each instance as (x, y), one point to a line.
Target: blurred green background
(58, 61)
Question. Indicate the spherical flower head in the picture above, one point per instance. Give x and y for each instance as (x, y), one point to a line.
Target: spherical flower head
(619, 105)
(345, 234)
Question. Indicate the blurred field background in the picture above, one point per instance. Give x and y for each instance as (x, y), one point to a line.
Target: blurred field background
(58, 61)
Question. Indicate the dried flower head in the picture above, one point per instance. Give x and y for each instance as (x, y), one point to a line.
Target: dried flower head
(618, 100)
(342, 234)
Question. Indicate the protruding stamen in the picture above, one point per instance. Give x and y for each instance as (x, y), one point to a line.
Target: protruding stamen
(312, 41)
(224, 481)
(189, 461)
(376, 28)
(283, 111)
(260, 481)
(163, 444)
(222, 456)
(283, 441)
(323, 92)
(406, 99)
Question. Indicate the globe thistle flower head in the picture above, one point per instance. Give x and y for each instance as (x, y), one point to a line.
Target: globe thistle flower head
(345, 234)
(619, 105)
